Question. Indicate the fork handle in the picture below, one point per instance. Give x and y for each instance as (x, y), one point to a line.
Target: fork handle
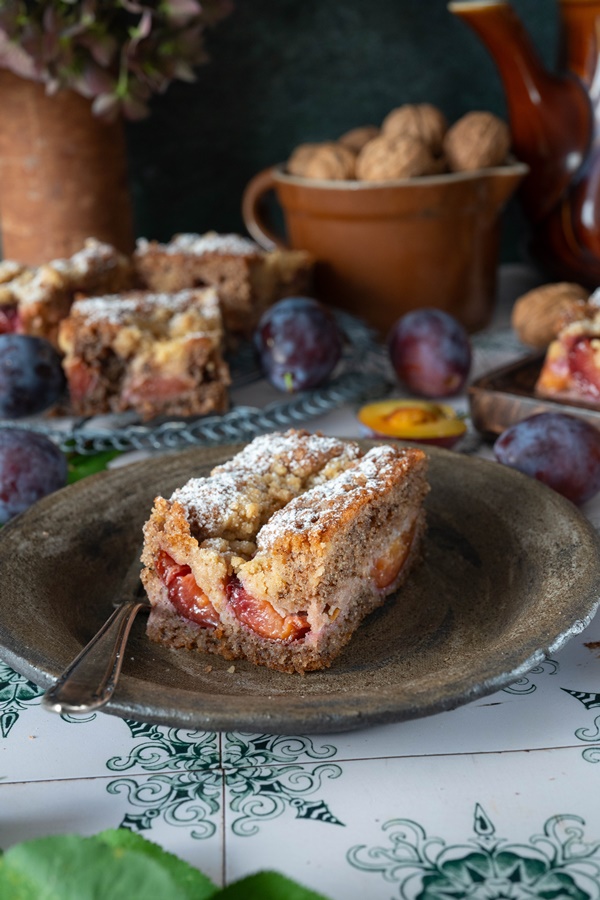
(90, 680)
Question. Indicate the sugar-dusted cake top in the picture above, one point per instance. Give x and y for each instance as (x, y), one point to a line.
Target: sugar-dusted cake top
(95, 266)
(323, 507)
(94, 256)
(240, 496)
(122, 309)
(202, 244)
(9, 269)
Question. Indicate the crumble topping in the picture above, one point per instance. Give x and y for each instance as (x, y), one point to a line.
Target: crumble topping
(93, 256)
(10, 269)
(324, 505)
(241, 495)
(121, 309)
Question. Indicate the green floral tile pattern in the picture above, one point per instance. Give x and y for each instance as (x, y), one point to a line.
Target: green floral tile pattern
(525, 685)
(16, 694)
(558, 864)
(589, 734)
(264, 749)
(188, 800)
(158, 747)
(188, 792)
(266, 792)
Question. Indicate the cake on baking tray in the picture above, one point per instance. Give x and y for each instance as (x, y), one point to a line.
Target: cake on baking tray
(571, 367)
(157, 354)
(279, 554)
(41, 297)
(247, 278)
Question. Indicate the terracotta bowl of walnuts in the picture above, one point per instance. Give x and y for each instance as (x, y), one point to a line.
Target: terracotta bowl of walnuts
(401, 216)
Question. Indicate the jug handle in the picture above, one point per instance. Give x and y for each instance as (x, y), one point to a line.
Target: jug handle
(254, 210)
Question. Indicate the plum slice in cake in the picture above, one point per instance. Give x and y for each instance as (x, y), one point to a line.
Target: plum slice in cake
(571, 368)
(279, 554)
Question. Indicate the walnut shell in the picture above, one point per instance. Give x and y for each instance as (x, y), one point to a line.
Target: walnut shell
(479, 140)
(296, 164)
(539, 315)
(356, 138)
(403, 157)
(420, 120)
(329, 161)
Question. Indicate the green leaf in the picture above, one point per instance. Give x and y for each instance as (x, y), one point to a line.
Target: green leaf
(80, 465)
(115, 866)
(185, 876)
(267, 886)
(118, 864)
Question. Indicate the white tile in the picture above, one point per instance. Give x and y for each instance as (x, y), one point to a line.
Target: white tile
(430, 810)
(39, 745)
(183, 813)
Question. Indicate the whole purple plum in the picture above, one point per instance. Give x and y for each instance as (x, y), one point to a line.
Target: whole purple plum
(31, 375)
(559, 450)
(430, 352)
(298, 343)
(31, 466)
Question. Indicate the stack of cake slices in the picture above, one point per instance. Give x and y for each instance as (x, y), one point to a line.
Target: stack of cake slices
(147, 333)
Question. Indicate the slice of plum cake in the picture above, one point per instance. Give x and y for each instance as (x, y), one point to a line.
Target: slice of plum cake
(279, 554)
(156, 354)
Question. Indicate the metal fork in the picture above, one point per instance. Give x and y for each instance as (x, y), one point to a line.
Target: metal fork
(90, 680)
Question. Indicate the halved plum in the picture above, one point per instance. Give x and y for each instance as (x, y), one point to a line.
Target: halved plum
(412, 420)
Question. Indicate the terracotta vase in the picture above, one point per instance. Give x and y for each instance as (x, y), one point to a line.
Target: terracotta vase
(63, 174)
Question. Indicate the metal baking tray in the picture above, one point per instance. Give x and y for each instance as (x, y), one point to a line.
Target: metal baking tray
(364, 373)
(506, 395)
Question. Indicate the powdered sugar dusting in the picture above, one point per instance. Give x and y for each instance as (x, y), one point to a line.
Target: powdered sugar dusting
(325, 504)
(93, 255)
(291, 452)
(202, 244)
(10, 269)
(118, 309)
(241, 495)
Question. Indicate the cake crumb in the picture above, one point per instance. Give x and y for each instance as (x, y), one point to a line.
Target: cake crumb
(208, 669)
(231, 670)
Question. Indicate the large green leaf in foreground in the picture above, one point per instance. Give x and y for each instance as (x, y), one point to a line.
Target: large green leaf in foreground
(120, 865)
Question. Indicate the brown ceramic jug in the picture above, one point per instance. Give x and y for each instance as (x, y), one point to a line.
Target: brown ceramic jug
(555, 124)
(383, 248)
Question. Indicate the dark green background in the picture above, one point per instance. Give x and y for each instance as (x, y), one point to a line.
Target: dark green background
(287, 71)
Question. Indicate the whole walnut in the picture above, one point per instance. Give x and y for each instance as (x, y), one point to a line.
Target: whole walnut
(296, 164)
(383, 159)
(330, 162)
(356, 138)
(479, 140)
(539, 315)
(420, 120)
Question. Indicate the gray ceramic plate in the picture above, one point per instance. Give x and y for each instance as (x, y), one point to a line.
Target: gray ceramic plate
(511, 571)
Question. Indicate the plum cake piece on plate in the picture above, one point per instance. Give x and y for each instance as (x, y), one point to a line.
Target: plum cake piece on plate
(279, 554)
(156, 354)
